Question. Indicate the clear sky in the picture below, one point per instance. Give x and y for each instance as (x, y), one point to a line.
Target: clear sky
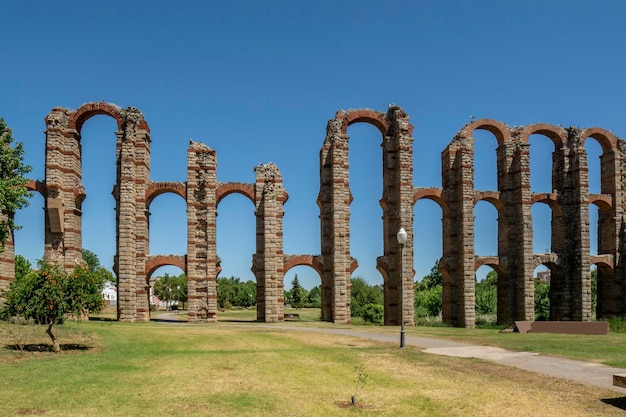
(257, 81)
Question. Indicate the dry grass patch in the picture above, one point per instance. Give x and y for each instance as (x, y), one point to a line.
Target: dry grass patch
(258, 370)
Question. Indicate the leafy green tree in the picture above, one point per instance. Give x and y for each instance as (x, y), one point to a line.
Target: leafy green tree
(373, 313)
(431, 280)
(542, 300)
(50, 295)
(428, 293)
(314, 299)
(232, 292)
(298, 293)
(91, 259)
(487, 294)
(362, 294)
(171, 288)
(13, 192)
(22, 266)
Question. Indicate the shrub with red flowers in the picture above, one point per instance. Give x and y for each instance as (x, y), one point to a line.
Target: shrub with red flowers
(49, 295)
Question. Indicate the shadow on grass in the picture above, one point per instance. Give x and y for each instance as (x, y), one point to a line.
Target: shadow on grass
(619, 402)
(44, 347)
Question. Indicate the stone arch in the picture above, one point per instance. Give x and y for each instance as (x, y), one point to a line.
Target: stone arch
(556, 134)
(501, 131)
(156, 261)
(492, 197)
(223, 190)
(551, 199)
(88, 110)
(372, 117)
(433, 194)
(38, 186)
(606, 139)
(155, 189)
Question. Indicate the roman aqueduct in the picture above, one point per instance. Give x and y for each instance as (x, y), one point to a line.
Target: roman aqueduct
(569, 258)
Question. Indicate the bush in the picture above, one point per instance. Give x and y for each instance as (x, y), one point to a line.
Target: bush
(373, 313)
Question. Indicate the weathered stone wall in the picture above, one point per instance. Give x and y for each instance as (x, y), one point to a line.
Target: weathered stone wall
(568, 259)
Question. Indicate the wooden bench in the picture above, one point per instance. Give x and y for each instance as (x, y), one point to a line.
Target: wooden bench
(619, 380)
(292, 316)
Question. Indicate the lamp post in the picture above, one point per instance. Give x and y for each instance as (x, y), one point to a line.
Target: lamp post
(402, 241)
(178, 299)
(170, 299)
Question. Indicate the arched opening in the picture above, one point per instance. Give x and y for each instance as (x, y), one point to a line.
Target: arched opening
(99, 176)
(486, 296)
(594, 172)
(485, 160)
(541, 149)
(366, 184)
(542, 227)
(168, 225)
(236, 244)
(542, 277)
(428, 295)
(29, 239)
(485, 231)
(168, 293)
(303, 294)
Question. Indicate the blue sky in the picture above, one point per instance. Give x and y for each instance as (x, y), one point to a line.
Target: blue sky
(257, 82)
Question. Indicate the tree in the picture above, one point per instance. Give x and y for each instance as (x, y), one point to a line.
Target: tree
(170, 287)
(542, 300)
(298, 293)
(92, 260)
(94, 266)
(22, 267)
(431, 280)
(50, 295)
(362, 294)
(315, 297)
(13, 192)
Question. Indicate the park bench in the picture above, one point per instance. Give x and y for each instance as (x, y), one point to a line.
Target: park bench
(292, 316)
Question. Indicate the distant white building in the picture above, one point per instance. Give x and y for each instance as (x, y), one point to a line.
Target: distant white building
(109, 293)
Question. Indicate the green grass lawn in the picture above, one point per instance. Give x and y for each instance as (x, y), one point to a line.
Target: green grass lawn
(251, 369)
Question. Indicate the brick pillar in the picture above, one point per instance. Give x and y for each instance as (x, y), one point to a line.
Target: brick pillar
(335, 198)
(7, 260)
(127, 287)
(62, 152)
(141, 141)
(397, 205)
(458, 234)
(610, 297)
(507, 234)
(324, 202)
(268, 260)
(560, 297)
(522, 253)
(579, 271)
(201, 227)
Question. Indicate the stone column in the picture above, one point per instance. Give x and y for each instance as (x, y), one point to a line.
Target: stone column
(521, 257)
(7, 260)
(397, 205)
(127, 287)
(579, 270)
(458, 236)
(201, 249)
(268, 265)
(335, 198)
(141, 142)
